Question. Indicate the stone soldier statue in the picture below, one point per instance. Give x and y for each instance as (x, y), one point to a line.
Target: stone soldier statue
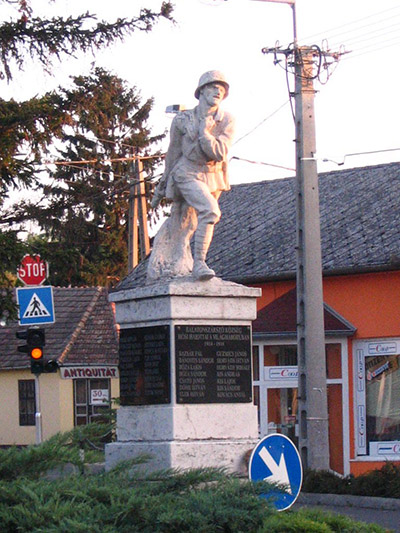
(195, 175)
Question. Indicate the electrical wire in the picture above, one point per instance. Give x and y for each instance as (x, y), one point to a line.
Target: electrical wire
(261, 123)
(365, 50)
(370, 36)
(261, 163)
(326, 160)
(356, 21)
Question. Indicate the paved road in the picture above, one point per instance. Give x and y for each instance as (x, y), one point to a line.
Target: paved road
(382, 511)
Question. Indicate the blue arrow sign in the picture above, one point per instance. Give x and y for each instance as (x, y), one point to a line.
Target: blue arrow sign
(275, 459)
(36, 305)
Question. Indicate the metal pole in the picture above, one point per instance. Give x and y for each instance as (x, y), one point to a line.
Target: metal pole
(38, 414)
(313, 410)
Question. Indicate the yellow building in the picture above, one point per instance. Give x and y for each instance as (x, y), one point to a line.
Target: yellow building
(84, 342)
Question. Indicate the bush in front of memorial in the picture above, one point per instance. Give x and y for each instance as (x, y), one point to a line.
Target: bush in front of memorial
(125, 500)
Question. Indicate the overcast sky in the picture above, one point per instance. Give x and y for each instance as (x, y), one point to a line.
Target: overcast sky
(356, 109)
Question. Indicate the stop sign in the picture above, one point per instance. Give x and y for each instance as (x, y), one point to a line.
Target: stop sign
(33, 270)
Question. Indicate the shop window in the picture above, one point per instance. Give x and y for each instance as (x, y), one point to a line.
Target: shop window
(382, 378)
(280, 355)
(282, 412)
(27, 402)
(333, 361)
(91, 400)
(256, 363)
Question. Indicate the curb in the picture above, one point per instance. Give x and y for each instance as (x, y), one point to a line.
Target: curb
(345, 500)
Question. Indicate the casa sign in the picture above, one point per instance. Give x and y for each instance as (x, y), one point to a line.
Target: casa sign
(33, 270)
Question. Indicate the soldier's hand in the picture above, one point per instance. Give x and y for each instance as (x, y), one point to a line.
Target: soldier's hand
(207, 124)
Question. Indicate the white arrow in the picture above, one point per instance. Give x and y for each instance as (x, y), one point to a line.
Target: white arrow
(279, 473)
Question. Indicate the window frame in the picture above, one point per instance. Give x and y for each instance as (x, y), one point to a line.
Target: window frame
(27, 402)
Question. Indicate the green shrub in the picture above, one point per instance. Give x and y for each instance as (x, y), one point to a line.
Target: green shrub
(384, 482)
(76, 446)
(315, 521)
(323, 482)
(201, 501)
(125, 500)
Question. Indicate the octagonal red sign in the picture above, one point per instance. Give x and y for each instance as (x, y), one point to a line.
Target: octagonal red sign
(33, 270)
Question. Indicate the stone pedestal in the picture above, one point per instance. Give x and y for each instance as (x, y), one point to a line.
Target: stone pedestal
(185, 375)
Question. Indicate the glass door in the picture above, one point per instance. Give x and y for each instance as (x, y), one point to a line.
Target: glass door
(282, 412)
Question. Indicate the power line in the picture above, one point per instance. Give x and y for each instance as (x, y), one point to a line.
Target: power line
(261, 163)
(367, 49)
(371, 35)
(326, 160)
(356, 21)
(261, 123)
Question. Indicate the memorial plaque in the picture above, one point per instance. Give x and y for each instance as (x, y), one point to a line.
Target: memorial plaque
(144, 363)
(213, 364)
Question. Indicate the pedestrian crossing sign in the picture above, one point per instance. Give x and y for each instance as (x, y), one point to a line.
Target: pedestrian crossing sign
(35, 305)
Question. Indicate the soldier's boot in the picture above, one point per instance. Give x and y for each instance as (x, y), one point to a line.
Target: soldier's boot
(202, 240)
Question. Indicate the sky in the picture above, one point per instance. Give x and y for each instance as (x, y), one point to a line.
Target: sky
(356, 108)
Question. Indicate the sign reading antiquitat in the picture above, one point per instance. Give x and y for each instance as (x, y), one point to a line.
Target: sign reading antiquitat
(88, 372)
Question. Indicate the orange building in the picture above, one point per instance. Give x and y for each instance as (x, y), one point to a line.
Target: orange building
(255, 244)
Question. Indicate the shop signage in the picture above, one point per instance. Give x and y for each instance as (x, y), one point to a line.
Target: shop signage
(88, 372)
(99, 396)
(282, 373)
(383, 448)
(382, 348)
(275, 459)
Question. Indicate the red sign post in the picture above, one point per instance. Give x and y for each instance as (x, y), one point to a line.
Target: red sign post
(33, 270)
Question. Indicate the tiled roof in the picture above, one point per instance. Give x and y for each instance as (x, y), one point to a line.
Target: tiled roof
(84, 331)
(279, 318)
(256, 237)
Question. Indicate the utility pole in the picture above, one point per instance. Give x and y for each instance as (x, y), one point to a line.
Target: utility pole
(312, 390)
(138, 236)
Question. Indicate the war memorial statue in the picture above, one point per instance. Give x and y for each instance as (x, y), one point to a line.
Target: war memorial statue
(185, 344)
(194, 177)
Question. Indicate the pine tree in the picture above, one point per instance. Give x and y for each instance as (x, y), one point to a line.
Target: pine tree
(85, 220)
(28, 129)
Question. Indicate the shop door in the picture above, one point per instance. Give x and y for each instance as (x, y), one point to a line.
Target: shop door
(275, 379)
(282, 412)
(91, 399)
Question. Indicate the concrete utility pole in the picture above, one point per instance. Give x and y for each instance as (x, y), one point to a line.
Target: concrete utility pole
(313, 406)
(138, 238)
(312, 390)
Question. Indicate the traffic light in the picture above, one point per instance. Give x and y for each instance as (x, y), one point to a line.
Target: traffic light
(35, 341)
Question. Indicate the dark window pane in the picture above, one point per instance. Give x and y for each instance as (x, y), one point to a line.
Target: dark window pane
(256, 363)
(80, 391)
(26, 396)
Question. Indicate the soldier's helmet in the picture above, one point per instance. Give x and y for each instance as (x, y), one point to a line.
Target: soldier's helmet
(212, 76)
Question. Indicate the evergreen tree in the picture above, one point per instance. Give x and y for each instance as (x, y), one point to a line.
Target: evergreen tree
(28, 129)
(85, 219)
